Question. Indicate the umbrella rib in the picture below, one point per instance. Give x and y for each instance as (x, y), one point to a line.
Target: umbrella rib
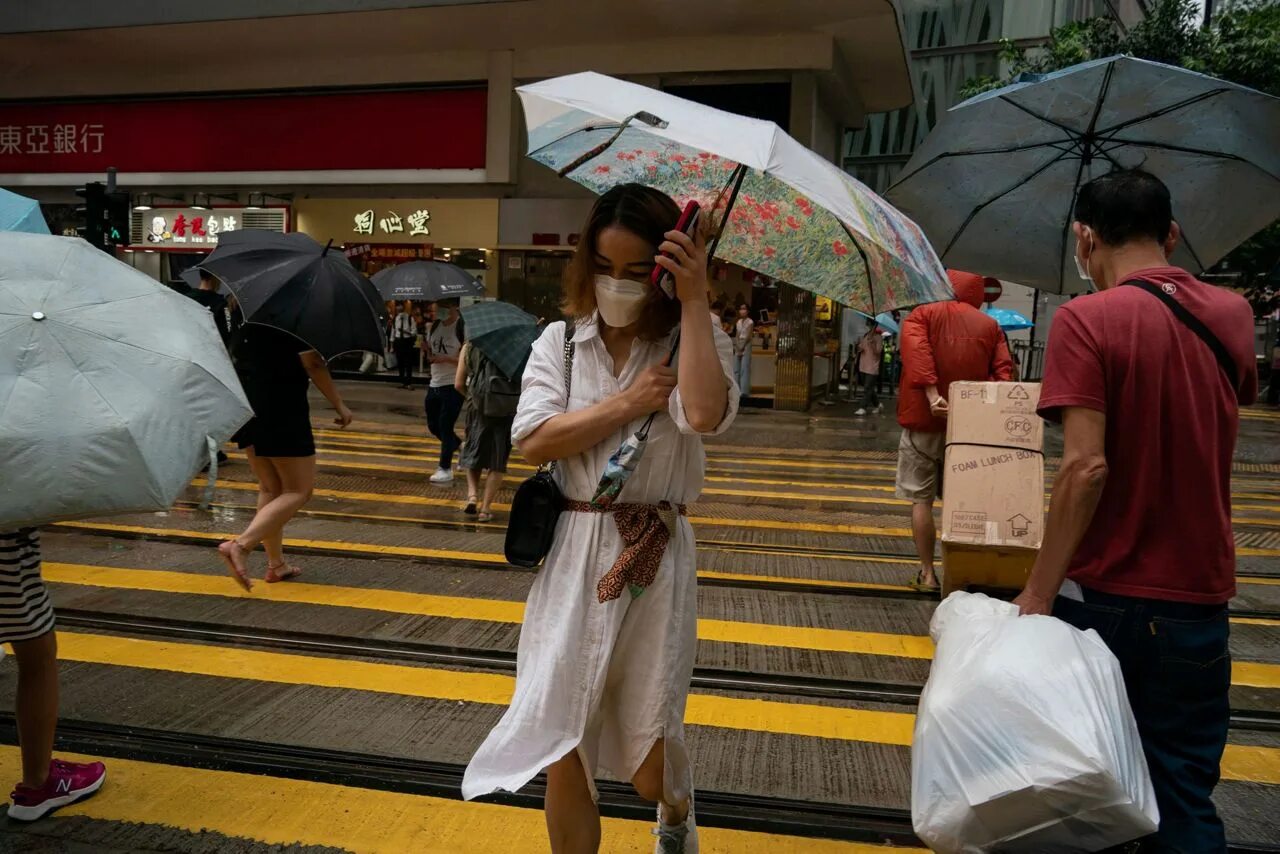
(978, 209)
(866, 264)
(1193, 252)
(564, 136)
(1186, 149)
(1053, 143)
(1194, 99)
(1049, 121)
(1084, 159)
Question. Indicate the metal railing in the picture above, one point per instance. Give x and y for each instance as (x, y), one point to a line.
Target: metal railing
(1028, 357)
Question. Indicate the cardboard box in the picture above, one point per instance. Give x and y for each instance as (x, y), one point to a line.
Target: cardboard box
(993, 485)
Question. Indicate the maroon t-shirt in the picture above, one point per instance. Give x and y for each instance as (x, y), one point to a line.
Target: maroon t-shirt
(1163, 526)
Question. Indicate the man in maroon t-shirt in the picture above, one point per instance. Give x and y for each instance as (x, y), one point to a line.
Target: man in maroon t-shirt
(1138, 542)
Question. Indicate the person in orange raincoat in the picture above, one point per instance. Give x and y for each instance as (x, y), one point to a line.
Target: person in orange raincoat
(941, 343)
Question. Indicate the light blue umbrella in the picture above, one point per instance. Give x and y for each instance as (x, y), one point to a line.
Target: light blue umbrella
(884, 320)
(994, 186)
(1008, 319)
(18, 213)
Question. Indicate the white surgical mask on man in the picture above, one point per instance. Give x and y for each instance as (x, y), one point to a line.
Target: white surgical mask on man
(621, 301)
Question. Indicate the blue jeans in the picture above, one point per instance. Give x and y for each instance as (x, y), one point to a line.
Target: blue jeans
(443, 405)
(1177, 670)
(742, 372)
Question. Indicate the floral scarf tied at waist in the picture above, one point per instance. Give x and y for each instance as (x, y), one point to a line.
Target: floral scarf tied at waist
(645, 530)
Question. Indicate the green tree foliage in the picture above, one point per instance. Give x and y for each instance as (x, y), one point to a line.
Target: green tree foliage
(1241, 44)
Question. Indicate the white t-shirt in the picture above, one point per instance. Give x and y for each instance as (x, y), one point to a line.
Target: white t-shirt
(443, 341)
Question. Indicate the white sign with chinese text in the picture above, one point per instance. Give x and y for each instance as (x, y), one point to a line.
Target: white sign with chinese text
(193, 228)
(390, 222)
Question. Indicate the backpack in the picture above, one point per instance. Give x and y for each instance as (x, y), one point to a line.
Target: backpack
(492, 393)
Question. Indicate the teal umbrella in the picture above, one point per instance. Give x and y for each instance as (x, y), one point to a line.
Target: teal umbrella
(18, 213)
(503, 333)
(1008, 319)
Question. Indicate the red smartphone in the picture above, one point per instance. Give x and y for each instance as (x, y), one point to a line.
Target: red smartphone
(688, 222)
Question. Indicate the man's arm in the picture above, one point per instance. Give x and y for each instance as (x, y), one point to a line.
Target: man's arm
(1076, 493)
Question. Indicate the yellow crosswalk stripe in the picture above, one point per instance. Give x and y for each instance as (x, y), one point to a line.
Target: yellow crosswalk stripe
(465, 608)
(281, 812)
(1245, 673)
(1239, 762)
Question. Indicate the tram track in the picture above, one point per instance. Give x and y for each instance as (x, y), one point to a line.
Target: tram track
(419, 652)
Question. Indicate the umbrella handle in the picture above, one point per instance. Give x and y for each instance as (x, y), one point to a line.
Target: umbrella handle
(643, 432)
(646, 117)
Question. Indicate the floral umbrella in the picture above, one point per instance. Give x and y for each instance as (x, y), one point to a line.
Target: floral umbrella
(790, 214)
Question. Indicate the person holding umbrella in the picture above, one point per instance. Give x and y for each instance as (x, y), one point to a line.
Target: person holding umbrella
(303, 305)
(606, 651)
(276, 370)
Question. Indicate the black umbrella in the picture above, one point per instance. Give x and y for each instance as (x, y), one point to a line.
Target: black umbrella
(292, 283)
(426, 280)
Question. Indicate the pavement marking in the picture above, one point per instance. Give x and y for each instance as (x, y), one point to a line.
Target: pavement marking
(285, 812)
(732, 493)
(465, 608)
(493, 557)
(711, 455)
(709, 521)
(1239, 762)
(1244, 673)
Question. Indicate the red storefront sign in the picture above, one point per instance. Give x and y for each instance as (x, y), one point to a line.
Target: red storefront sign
(432, 129)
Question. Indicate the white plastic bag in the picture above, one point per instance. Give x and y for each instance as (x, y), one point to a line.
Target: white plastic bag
(1024, 741)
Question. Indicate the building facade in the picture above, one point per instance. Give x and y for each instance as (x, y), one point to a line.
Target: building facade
(391, 127)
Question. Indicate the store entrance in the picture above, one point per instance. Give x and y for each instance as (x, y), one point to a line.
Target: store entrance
(532, 280)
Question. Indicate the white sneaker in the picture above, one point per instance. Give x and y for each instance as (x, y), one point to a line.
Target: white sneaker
(678, 838)
(861, 412)
(879, 408)
(442, 477)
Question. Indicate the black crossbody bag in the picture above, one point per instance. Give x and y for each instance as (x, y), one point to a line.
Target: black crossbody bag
(538, 502)
(1194, 323)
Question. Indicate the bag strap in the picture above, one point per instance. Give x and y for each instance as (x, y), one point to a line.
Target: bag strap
(569, 348)
(1197, 326)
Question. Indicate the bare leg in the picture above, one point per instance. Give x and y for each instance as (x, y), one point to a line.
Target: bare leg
(269, 489)
(492, 486)
(573, 821)
(297, 479)
(925, 534)
(36, 706)
(648, 783)
(473, 485)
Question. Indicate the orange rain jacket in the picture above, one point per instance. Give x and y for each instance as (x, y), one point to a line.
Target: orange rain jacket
(946, 342)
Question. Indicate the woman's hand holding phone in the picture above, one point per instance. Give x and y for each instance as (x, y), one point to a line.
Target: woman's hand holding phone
(686, 259)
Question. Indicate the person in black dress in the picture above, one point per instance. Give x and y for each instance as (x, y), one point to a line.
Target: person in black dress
(276, 370)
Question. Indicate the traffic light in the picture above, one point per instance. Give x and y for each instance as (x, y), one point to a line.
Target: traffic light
(116, 227)
(94, 212)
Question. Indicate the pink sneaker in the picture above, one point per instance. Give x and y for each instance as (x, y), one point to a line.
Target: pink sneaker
(68, 782)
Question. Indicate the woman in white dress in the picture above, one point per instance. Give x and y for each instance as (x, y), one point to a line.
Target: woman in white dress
(607, 648)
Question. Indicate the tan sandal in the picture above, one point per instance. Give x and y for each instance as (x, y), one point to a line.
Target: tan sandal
(235, 556)
(281, 572)
(918, 584)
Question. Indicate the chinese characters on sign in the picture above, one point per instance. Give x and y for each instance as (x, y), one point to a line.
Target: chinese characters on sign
(51, 139)
(391, 223)
(172, 227)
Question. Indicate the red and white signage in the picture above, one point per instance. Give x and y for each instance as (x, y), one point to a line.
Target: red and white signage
(432, 129)
(991, 290)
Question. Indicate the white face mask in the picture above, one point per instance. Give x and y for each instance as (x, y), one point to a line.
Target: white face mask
(621, 301)
(1083, 269)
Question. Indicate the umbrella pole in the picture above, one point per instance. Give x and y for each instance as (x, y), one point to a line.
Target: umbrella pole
(648, 118)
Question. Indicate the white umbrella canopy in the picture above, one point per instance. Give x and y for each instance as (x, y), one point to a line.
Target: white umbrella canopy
(791, 214)
(111, 385)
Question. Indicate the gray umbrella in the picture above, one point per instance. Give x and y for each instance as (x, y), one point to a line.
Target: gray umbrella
(111, 384)
(994, 185)
(426, 280)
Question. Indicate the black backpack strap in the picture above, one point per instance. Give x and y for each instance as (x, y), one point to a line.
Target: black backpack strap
(1194, 323)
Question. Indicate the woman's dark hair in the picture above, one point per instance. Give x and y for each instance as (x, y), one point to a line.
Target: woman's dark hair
(645, 212)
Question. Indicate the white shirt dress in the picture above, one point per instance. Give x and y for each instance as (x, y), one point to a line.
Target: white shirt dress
(608, 679)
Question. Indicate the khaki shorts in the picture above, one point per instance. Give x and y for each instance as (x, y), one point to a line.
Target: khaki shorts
(919, 456)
